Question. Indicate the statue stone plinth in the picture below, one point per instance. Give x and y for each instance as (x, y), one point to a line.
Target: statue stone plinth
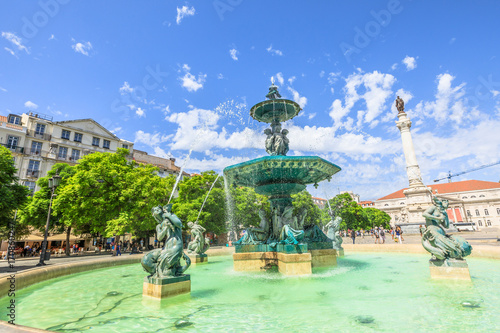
(450, 269)
(323, 258)
(198, 258)
(287, 263)
(161, 288)
(340, 253)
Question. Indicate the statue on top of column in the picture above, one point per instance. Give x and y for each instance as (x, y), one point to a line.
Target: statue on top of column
(400, 105)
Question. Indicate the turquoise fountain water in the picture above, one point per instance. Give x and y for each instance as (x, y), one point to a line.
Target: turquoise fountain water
(366, 292)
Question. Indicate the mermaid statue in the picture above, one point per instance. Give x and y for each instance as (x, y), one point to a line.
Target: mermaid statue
(435, 240)
(199, 244)
(165, 262)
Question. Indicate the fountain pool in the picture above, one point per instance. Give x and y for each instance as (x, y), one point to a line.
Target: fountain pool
(365, 292)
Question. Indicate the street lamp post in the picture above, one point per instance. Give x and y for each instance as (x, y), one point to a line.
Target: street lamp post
(53, 183)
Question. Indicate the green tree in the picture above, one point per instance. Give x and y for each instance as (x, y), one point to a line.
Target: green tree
(192, 193)
(302, 200)
(352, 214)
(34, 214)
(12, 194)
(244, 208)
(376, 218)
(111, 195)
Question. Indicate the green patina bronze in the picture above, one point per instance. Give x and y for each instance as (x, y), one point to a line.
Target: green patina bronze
(279, 176)
(199, 244)
(435, 239)
(164, 263)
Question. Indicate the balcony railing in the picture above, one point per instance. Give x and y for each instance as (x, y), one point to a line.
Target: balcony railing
(13, 148)
(68, 158)
(39, 135)
(35, 152)
(32, 173)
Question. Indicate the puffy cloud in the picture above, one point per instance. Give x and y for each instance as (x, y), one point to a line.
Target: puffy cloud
(15, 40)
(274, 51)
(234, 54)
(410, 63)
(373, 88)
(301, 100)
(83, 48)
(184, 11)
(450, 103)
(190, 82)
(140, 112)
(150, 139)
(280, 78)
(10, 51)
(30, 105)
(126, 89)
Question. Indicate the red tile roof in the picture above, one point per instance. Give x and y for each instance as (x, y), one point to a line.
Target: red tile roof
(463, 186)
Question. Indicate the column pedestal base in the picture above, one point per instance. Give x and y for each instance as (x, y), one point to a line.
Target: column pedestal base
(198, 259)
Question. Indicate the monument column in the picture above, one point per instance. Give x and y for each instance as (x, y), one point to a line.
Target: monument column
(418, 196)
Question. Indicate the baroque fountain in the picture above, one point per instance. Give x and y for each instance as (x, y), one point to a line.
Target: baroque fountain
(282, 240)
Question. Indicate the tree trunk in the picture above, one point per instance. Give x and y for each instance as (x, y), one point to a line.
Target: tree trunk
(68, 249)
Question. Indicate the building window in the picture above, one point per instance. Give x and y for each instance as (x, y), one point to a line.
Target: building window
(14, 120)
(480, 223)
(105, 144)
(12, 142)
(31, 186)
(36, 148)
(386, 205)
(78, 137)
(95, 141)
(40, 129)
(477, 212)
(468, 213)
(472, 196)
(481, 196)
(464, 197)
(75, 154)
(65, 134)
(498, 211)
(33, 165)
(486, 212)
(63, 152)
(125, 146)
(401, 203)
(488, 223)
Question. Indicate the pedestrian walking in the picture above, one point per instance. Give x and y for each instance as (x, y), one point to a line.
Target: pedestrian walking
(353, 235)
(399, 235)
(382, 234)
(118, 248)
(376, 235)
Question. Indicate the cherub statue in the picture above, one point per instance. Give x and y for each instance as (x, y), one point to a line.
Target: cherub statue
(269, 141)
(199, 244)
(333, 232)
(254, 235)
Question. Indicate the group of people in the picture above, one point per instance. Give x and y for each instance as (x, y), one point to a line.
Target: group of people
(378, 233)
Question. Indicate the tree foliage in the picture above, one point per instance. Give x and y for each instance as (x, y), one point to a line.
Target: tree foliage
(244, 208)
(377, 218)
(192, 193)
(12, 194)
(302, 200)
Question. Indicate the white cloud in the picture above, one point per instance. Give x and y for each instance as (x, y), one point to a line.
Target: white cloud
(10, 51)
(234, 54)
(184, 11)
(322, 73)
(150, 139)
(190, 82)
(140, 112)
(280, 78)
(301, 100)
(376, 88)
(410, 63)
(291, 80)
(333, 77)
(220, 76)
(52, 37)
(116, 130)
(3, 89)
(274, 51)
(15, 40)
(83, 48)
(126, 89)
(394, 66)
(449, 104)
(30, 105)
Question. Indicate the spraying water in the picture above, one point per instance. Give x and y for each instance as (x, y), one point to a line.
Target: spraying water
(206, 197)
(329, 206)
(229, 210)
(180, 175)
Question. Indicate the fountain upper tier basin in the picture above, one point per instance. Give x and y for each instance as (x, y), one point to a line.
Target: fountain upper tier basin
(278, 175)
(275, 110)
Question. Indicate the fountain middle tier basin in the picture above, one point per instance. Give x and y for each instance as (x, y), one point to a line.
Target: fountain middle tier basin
(280, 175)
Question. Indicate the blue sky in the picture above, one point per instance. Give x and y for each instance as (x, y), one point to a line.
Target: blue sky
(174, 76)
